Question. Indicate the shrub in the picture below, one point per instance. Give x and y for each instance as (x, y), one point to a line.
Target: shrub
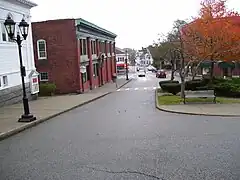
(172, 88)
(47, 89)
(227, 89)
(166, 82)
(193, 85)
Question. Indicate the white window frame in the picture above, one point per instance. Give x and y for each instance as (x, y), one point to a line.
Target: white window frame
(40, 77)
(38, 52)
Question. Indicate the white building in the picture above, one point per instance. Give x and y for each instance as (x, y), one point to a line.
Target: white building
(121, 55)
(10, 79)
(144, 57)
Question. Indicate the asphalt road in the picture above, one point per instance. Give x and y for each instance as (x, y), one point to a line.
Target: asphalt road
(122, 136)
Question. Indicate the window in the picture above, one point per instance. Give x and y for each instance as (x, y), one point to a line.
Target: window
(110, 48)
(102, 47)
(43, 76)
(95, 70)
(88, 72)
(42, 49)
(83, 46)
(5, 81)
(93, 47)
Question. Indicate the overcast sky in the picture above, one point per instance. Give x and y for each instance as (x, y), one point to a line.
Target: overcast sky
(136, 22)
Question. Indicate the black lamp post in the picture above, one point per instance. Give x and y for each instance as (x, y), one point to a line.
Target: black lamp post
(23, 26)
(126, 66)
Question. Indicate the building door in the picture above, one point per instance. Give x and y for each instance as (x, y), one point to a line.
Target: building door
(107, 70)
(89, 76)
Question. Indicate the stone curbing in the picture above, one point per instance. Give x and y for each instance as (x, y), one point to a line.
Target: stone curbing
(164, 109)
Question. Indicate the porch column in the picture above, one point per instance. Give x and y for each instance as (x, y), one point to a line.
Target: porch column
(114, 58)
(89, 52)
(99, 68)
(107, 67)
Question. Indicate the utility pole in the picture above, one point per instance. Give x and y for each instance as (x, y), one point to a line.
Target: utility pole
(126, 64)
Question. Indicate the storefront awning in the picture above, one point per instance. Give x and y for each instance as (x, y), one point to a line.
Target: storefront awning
(206, 64)
(225, 65)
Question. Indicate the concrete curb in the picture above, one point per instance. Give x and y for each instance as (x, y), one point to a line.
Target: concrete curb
(187, 113)
(34, 123)
(124, 84)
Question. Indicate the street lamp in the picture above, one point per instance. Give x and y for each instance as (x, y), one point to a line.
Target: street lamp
(126, 65)
(23, 26)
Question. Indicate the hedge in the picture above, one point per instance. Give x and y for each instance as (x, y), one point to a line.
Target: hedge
(172, 88)
(166, 82)
(47, 89)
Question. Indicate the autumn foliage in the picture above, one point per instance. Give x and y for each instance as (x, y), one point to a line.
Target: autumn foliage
(214, 34)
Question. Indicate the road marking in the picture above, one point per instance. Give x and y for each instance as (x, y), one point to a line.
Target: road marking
(136, 88)
(127, 89)
(145, 88)
(154, 88)
(119, 90)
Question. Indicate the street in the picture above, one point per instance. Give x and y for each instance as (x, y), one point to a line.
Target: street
(123, 136)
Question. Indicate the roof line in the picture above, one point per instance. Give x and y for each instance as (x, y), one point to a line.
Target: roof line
(27, 2)
(83, 21)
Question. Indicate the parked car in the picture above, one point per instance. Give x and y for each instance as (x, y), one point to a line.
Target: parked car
(161, 74)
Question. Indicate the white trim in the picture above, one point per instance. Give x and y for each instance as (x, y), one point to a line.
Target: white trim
(94, 56)
(38, 53)
(84, 58)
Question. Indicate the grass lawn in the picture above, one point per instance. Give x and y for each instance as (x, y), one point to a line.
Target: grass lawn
(169, 99)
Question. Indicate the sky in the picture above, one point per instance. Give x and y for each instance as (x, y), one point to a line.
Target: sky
(137, 23)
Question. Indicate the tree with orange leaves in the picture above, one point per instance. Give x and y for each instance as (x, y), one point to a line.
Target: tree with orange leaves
(214, 34)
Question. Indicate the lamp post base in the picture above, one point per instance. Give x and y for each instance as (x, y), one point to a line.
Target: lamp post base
(27, 118)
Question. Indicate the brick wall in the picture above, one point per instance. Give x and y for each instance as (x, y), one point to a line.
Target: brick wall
(62, 62)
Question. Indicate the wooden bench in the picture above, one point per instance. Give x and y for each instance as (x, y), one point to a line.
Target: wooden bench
(199, 94)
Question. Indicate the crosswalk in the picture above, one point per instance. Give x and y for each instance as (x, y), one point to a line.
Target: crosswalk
(137, 89)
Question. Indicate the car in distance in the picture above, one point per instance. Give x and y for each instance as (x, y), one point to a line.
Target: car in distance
(161, 74)
(141, 73)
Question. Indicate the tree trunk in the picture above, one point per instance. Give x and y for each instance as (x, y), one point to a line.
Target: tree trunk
(172, 74)
(182, 76)
(212, 70)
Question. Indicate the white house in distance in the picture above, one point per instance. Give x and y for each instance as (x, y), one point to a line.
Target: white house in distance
(10, 78)
(121, 55)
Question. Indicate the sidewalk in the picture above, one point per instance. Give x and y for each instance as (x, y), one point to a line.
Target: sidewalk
(48, 107)
(224, 110)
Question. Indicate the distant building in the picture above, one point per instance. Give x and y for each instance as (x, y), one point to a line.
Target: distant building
(68, 51)
(121, 55)
(10, 78)
(144, 57)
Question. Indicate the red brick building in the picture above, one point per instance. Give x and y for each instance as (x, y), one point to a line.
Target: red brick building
(64, 48)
